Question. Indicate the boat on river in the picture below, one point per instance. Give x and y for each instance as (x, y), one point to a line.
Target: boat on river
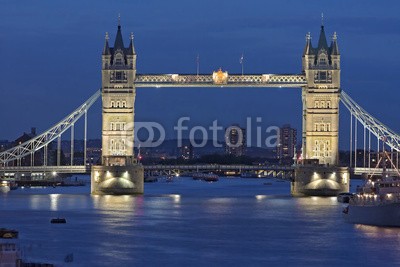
(377, 202)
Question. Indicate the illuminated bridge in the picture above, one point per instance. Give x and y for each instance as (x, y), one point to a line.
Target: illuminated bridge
(321, 94)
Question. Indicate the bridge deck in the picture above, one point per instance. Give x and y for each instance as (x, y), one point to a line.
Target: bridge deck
(235, 80)
(203, 167)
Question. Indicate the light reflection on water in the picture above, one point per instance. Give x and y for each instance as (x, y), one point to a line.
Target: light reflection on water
(237, 222)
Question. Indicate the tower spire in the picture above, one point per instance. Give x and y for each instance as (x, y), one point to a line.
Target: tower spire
(322, 19)
(308, 49)
(131, 48)
(106, 50)
(334, 45)
(119, 43)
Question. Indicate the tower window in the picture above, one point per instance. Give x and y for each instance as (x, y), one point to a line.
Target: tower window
(119, 75)
(119, 61)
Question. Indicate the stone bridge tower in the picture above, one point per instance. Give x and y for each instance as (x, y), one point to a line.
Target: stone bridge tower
(119, 173)
(319, 173)
(321, 97)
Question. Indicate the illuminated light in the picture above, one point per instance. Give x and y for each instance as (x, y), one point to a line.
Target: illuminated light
(175, 197)
(333, 173)
(260, 197)
(54, 173)
(177, 175)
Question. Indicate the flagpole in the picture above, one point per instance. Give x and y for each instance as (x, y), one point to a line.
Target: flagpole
(242, 63)
(198, 64)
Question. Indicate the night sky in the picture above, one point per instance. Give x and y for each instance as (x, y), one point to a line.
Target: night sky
(51, 54)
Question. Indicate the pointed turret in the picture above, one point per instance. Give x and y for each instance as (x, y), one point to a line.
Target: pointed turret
(308, 49)
(334, 45)
(322, 43)
(106, 49)
(119, 43)
(131, 48)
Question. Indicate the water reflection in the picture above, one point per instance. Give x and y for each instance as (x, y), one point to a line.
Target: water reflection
(123, 202)
(54, 201)
(378, 232)
(219, 205)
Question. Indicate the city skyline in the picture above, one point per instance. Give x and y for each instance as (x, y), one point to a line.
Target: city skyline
(164, 45)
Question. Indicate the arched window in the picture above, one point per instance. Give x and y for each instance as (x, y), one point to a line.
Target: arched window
(112, 126)
(124, 104)
(328, 104)
(118, 104)
(119, 59)
(123, 145)
(322, 59)
(322, 104)
(112, 104)
(316, 104)
(328, 127)
(112, 145)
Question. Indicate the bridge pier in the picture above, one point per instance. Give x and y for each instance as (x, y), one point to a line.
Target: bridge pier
(117, 180)
(320, 180)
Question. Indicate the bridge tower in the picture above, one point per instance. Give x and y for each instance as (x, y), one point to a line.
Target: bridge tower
(119, 172)
(320, 141)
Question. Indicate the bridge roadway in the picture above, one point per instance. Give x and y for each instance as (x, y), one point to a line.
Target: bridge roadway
(81, 169)
(227, 80)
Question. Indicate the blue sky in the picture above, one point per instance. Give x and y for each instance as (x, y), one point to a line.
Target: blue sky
(51, 52)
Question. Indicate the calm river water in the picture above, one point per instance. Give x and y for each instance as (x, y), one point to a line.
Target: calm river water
(235, 222)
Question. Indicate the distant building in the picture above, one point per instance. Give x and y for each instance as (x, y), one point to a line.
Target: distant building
(4, 145)
(25, 137)
(235, 140)
(186, 151)
(32, 159)
(287, 143)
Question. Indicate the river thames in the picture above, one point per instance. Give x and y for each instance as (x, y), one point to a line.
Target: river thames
(235, 222)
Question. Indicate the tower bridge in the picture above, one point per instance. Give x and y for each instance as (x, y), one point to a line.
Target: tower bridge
(120, 173)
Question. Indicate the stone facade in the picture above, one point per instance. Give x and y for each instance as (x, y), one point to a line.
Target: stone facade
(321, 97)
(119, 173)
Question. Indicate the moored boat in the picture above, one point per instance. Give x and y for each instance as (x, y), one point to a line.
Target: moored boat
(8, 233)
(377, 202)
(58, 220)
(208, 177)
(4, 186)
(344, 197)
